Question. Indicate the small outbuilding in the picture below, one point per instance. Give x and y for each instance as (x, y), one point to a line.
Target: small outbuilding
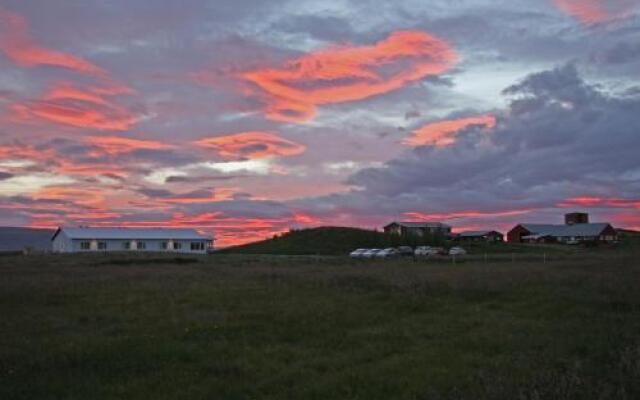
(418, 228)
(169, 240)
(480, 236)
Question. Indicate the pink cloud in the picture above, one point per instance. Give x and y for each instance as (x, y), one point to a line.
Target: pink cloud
(251, 145)
(591, 12)
(83, 107)
(113, 145)
(348, 73)
(17, 44)
(443, 133)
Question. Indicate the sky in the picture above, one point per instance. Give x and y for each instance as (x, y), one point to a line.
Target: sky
(247, 118)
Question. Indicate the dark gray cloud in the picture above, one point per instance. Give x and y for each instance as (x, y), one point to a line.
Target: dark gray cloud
(560, 137)
(5, 175)
(621, 53)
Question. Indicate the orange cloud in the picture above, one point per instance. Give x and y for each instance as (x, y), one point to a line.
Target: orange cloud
(600, 202)
(464, 214)
(24, 152)
(86, 107)
(220, 194)
(251, 145)
(58, 163)
(591, 12)
(113, 145)
(18, 45)
(443, 133)
(348, 73)
(90, 169)
(78, 196)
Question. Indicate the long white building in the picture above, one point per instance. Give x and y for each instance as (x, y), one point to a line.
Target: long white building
(87, 239)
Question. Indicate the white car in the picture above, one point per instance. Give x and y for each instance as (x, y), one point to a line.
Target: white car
(370, 253)
(357, 253)
(422, 251)
(457, 251)
(428, 251)
(387, 253)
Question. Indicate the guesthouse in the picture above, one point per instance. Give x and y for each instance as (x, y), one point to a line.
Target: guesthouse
(167, 240)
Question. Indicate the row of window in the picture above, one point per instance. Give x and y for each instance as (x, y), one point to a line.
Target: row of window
(86, 245)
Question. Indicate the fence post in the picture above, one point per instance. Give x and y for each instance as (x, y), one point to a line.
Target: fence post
(544, 258)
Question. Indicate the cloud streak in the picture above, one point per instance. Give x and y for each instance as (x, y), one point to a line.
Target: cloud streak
(114, 145)
(349, 73)
(17, 44)
(251, 145)
(66, 103)
(591, 12)
(443, 133)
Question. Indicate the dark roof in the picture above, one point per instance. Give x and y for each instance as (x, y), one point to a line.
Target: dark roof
(477, 233)
(566, 230)
(20, 238)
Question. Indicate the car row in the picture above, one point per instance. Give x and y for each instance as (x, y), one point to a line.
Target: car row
(375, 253)
(420, 251)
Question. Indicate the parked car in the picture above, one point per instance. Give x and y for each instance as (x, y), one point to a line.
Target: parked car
(387, 253)
(422, 251)
(357, 253)
(370, 253)
(457, 251)
(405, 251)
(434, 251)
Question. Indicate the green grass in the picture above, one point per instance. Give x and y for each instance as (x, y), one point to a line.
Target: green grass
(320, 241)
(270, 327)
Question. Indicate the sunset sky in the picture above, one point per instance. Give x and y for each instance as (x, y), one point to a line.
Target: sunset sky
(245, 118)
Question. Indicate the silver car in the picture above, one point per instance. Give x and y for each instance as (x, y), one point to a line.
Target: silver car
(457, 251)
(387, 253)
(357, 253)
(422, 251)
(370, 253)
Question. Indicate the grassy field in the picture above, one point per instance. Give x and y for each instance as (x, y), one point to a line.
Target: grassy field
(270, 327)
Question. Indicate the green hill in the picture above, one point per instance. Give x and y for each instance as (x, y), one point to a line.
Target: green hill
(327, 241)
(341, 241)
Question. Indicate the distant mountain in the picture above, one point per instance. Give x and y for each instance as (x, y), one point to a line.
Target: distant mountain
(323, 241)
(20, 238)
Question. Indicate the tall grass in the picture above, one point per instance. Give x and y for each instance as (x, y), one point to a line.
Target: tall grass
(246, 327)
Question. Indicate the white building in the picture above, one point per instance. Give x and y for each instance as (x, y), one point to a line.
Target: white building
(87, 239)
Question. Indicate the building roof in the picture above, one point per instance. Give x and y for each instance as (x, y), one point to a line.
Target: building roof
(476, 233)
(566, 230)
(420, 224)
(131, 233)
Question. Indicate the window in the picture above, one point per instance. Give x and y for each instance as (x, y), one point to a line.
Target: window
(126, 245)
(102, 245)
(177, 245)
(142, 245)
(85, 245)
(197, 246)
(164, 245)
